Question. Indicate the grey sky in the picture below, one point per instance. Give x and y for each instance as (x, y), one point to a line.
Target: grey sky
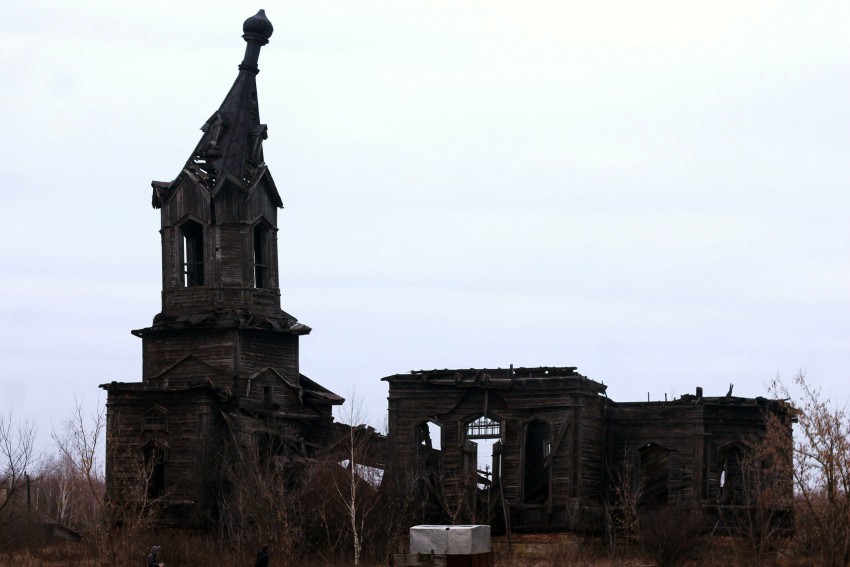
(656, 193)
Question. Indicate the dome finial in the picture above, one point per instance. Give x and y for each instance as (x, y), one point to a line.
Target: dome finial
(256, 31)
(258, 28)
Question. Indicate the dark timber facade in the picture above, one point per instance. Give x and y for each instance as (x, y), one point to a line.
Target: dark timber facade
(221, 368)
(559, 445)
(220, 361)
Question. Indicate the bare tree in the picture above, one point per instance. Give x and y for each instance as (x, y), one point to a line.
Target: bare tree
(17, 451)
(357, 492)
(61, 491)
(80, 446)
(19, 466)
(622, 517)
(113, 526)
(821, 472)
(669, 534)
(452, 492)
(257, 504)
(755, 501)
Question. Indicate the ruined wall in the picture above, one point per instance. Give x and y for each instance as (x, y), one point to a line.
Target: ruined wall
(686, 444)
(550, 433)
(564, 447)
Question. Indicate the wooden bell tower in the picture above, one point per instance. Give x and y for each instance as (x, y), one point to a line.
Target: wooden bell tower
(220, 361)
(220, 279)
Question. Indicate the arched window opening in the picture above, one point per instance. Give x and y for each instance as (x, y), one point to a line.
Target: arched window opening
(485, 453)
(536, 465)
(731, 476)
(261, 256)
(654, 474)
(155, 459)
(191, 254)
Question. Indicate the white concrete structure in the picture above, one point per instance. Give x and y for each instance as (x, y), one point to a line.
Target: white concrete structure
(450, 540)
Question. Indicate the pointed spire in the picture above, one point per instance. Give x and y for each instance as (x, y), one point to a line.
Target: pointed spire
(231, 146)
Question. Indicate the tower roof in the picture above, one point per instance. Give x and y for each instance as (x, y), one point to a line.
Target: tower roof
(231, 146)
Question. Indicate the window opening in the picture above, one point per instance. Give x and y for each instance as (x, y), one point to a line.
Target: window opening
(428, 443)
(732, 475)
(267, 394)
(488, 461)
(261, 256)
(536, 463)
(487, 449)
(191, 254)
(429, 434)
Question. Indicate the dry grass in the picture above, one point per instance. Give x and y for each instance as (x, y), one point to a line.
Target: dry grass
(179, 550)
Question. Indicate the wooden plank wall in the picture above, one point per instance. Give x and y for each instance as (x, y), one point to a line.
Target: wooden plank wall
(230, 351)
(191, 425)
(576, 462)
(694, 433)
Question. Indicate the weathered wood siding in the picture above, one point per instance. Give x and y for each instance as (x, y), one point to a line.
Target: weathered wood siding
(567, 406)
(263, 349)
(231, 352)
(191, 426)
(695, 431)
(228, 219)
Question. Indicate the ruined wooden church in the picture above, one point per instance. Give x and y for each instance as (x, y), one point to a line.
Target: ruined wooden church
(221, 367)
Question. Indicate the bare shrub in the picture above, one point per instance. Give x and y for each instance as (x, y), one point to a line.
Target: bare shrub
(821, 473)
(621, 509)
(757, 503)
(113, 529)
(258, 502)
(20, 466)
(670, 534)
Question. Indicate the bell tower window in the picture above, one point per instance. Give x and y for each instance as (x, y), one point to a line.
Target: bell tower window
(191, 254)
(261, 258)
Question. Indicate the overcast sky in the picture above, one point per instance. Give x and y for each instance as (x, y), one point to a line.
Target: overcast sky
(657, 193)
